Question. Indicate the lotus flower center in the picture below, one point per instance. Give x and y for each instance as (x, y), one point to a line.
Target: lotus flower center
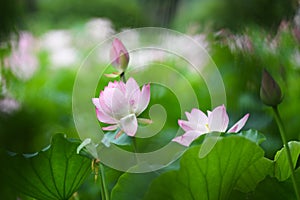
(207, 127)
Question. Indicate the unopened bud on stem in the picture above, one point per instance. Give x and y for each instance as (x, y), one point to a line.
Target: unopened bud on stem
(270, 92)
(119, 55)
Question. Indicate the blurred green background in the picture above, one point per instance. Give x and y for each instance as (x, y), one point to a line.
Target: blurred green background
(42, 44)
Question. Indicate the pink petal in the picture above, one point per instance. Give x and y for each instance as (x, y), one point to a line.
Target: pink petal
(115, 52)
(185, 125)
(113, 56)
(102, 117)
(198, 114)
(129, 124)
(198, 118)
(131, 87)
(132, 94)
(197, 121)
(189, 116)
(96, 102)
(114, 103)
(187, 138)
(121, 86)
(119, 47)
(119, 106)
(218, 119)
(144, 99)
(208, 113)
(105, 100)
(112, 85)
(239, 125)
(110, 128)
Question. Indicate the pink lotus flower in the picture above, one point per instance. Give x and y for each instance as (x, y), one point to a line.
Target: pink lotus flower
(119, 55)
(120, 103)
(198, 123)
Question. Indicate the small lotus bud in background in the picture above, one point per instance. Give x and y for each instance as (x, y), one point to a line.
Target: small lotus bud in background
(119, 55)
(270, 92)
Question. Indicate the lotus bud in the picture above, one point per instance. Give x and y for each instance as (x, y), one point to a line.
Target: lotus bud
(119, 55)
(270, 92)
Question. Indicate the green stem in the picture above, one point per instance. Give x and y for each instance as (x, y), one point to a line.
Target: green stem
(288, 151)
(101, 185)
(104, 190)
(122, 76)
